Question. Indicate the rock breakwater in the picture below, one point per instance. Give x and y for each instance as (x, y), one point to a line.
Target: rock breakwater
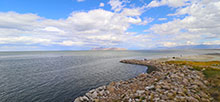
(170, 83)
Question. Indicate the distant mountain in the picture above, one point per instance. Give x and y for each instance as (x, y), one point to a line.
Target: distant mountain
(113, 48)
(192, 47)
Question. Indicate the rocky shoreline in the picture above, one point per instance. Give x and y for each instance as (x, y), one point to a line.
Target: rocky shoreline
(169, 83)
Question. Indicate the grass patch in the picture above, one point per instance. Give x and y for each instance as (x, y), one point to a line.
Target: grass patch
(211, 70)
(212, 64)
(142, 98)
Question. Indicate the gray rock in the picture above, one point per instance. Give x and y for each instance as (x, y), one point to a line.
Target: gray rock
(92, 95)
(140, 92)
(166, 87)
(130, 100)
(149, 87)
(192, 99)
(84, 98)
(91, 91)
(77, 99)
(102, 92)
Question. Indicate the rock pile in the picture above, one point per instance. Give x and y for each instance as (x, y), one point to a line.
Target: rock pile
(169, 84)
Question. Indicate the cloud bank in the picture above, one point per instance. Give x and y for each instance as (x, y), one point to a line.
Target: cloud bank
(200, 25)
(91, 29)
(195, 22)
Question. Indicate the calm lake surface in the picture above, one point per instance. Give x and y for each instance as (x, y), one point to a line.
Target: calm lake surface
(61, 76)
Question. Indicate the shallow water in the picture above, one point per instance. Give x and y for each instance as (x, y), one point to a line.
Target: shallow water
(61, 76)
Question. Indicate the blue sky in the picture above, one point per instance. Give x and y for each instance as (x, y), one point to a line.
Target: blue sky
(86, 24)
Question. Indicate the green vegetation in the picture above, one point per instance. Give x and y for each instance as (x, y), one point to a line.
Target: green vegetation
(211, 70)
(142, 98)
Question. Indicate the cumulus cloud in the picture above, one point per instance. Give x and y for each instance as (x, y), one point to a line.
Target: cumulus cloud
(20, 48)
(117, 5)
(53, 29)
(70, 43)
(146, 21)
(80, 0)
(200, 23)
(190, 43)
(214, 42)
(24, 40)
(13, 20)
(170, 3)
(195, 22)
(93, 28)
(169, 44)
(131, 12)
(101, 4)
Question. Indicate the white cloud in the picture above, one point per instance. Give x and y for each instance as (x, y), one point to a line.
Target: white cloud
(201, 23)
(93, 28)
(146, 21)
(162, 19)
(190, 43)
(170, 3)
(24, 40)
(117, 5)
(80, 0)
(101, 4)
(169, 44)
(12, 20)
(214, 42)
(131, 12)
(20, 48)
(53, 29)
(154, 3)
(70, 43)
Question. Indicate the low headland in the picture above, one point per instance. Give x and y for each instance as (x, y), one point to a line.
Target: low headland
(176, 79)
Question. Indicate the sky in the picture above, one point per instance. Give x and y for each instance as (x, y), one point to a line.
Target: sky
(27, 25)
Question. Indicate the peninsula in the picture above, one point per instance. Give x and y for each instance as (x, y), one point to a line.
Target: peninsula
(177, 79)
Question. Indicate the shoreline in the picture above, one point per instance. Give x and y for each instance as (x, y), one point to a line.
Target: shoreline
(168, 82)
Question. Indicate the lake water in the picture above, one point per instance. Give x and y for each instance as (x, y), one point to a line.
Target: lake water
(61, 76)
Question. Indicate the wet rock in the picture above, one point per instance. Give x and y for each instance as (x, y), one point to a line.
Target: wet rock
(77, 99)
(92, 95)
(82, 99)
